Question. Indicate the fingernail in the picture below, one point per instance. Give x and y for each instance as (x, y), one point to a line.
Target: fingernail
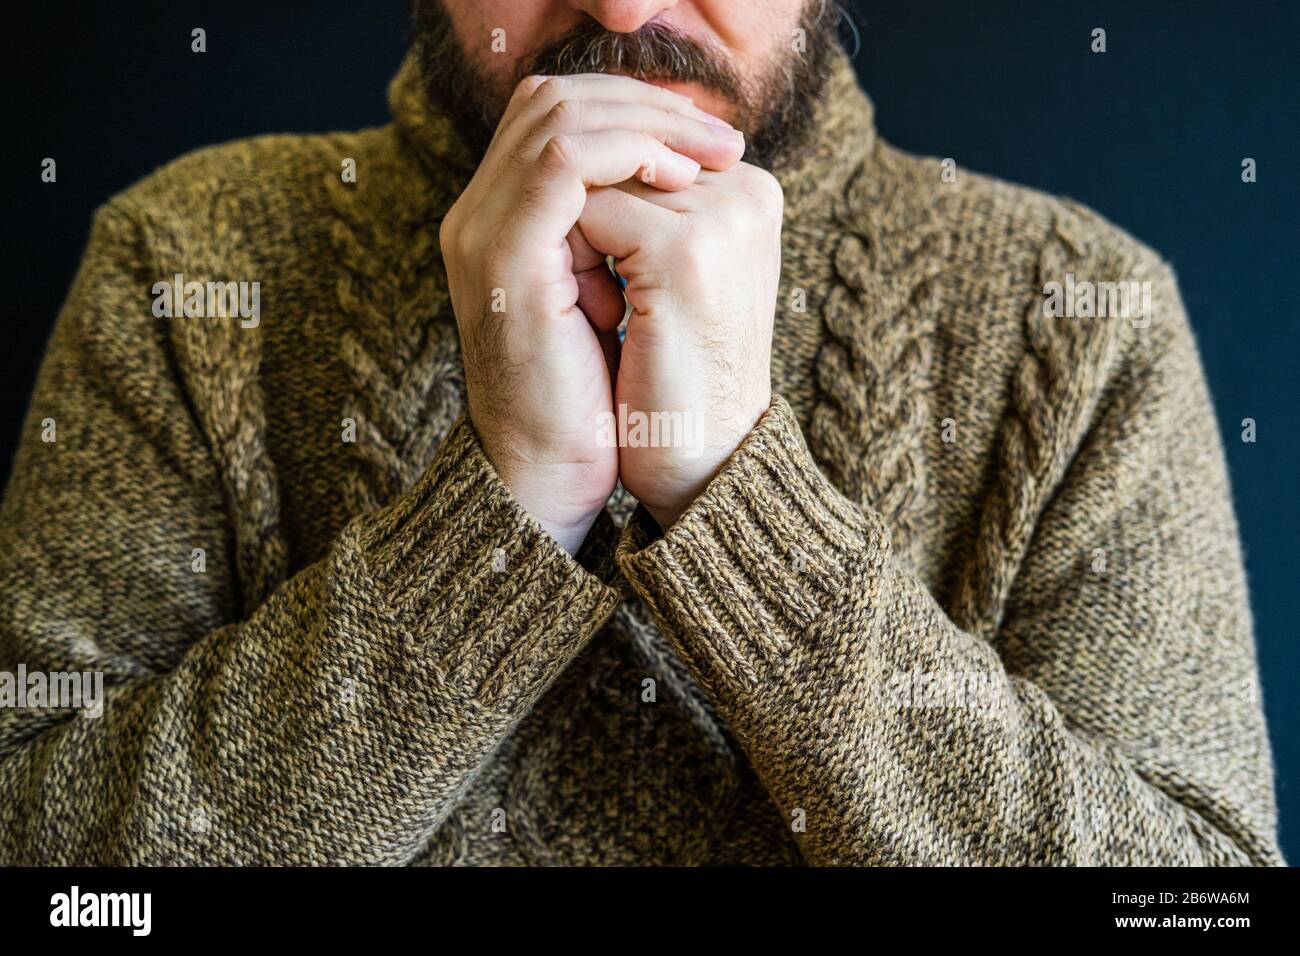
(687, 168)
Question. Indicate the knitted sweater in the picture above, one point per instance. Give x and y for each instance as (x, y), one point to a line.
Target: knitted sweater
(969, 593)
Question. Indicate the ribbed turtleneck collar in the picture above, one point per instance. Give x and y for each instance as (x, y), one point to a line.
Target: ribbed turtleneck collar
(843, 132)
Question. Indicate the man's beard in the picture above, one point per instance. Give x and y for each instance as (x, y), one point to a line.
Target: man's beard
(776, 111)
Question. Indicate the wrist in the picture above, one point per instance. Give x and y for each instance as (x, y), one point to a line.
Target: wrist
(566, 521)
(569, 536)
(673, 496)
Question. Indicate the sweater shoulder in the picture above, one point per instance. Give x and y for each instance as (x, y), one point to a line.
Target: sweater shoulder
(1005, 244)
(990, 217)
(1006, 286)
(279, 187)
(263, 215)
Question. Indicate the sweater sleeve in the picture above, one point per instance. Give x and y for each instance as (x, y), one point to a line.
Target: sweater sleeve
(1112, 719)
(340, 721)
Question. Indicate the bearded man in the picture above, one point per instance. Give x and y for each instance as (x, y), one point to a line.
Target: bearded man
(895, 556)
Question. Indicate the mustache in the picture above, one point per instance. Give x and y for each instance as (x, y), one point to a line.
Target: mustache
(655, 51)
(775, 108)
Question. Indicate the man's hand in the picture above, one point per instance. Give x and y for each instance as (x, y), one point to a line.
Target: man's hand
(535, 305)
(702, 265)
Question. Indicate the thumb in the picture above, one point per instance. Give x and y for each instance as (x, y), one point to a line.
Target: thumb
(600, 296)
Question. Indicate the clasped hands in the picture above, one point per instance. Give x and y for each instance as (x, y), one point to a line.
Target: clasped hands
(582, 168)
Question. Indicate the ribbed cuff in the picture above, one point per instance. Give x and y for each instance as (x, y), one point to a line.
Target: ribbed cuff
(493, 604)
(757, 558)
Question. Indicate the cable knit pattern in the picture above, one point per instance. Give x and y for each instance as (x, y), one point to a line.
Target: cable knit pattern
(874, 370)
(220, 363)
(400, 347)
(1054, 393)
(860, 645)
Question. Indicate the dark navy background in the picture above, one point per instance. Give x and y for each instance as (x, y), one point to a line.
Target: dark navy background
(1151, 134)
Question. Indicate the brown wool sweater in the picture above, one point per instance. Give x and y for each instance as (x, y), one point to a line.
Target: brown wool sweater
(386, 661)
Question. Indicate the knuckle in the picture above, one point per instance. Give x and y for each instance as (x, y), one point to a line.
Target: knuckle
(455, 239)
(550, 90)
(560, 153)
(563, 115)
(466, 242)
(528, 86)
(448, 232)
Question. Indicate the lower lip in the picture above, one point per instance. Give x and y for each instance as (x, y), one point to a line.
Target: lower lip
(673, 86)
(692, 91)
